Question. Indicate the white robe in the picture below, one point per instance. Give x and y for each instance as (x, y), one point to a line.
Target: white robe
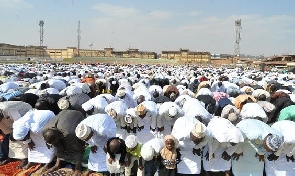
(40, 153)
(103, 127)
(281, 166)
(190, 163)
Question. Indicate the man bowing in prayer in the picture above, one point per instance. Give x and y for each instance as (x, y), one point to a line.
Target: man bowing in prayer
(96, 130)
(28, 129)
(60, 133)
(11, 111)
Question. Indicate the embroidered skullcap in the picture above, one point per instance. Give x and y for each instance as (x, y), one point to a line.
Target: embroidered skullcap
(274, 142)
(131, 141)
(82, 131)
(128, 119)
(63, 104)
(140, 109)
(199, 130)
(121, 93)
(112, 113)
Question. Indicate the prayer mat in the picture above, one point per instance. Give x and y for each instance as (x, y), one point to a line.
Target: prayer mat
(27, 172)
(10, 168)
(61, 172)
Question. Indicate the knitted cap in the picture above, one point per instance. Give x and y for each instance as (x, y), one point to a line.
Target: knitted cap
(131, 141)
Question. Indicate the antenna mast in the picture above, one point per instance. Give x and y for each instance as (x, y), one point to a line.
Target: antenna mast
(238, 25)
(41, 24)
(79, 37)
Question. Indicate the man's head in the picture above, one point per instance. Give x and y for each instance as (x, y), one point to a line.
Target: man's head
(172, 112)
(51, 136)
(63, 104)
(115, 145)
(272, 142)
(131, 142)
(121, 93)
(197, 134)
(156, 94)
(141, 111)
(83, 132)
(112, 113)
(140, 99)
(42, 105)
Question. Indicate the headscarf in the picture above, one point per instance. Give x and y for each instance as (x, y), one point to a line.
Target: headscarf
(167, 154)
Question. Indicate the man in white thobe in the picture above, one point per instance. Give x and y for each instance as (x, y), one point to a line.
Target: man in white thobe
(96, 130)
(282, 162)
(28, 129)
(169, 112)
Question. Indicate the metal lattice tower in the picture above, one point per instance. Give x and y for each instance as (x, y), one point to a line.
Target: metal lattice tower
(79, 37)
(41, 24)
(238, 25)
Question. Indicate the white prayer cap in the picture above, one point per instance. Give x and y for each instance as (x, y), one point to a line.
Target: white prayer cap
(63, 104)
(147, 152)
(131, 141)
(121, 93)
(172, 111)
(82, 131)
(199, 130)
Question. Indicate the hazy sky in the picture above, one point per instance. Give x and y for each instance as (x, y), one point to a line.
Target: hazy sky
(268, 26)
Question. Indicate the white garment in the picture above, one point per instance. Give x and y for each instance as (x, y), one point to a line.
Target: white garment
(190, 163)
(247, 164)
(163, 118)
(40, 153)
(193, 107)
(281, 166)
(148, 122)
(103, 127)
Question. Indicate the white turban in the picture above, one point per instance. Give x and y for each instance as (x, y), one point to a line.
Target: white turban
(82, 131)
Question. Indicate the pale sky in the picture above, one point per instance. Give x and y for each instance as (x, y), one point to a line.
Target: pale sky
(268, 26)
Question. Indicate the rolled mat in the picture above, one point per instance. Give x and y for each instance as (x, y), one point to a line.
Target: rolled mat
(10, 168)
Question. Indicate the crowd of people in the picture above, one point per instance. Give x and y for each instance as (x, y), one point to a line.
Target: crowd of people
(147, 119)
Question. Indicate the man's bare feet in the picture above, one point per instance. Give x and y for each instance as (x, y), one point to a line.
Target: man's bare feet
(23, 163)
(44, 168)
(29, 165)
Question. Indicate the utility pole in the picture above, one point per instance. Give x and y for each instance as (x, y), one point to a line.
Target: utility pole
(238, 25)
(79, 38)
(41, 24)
